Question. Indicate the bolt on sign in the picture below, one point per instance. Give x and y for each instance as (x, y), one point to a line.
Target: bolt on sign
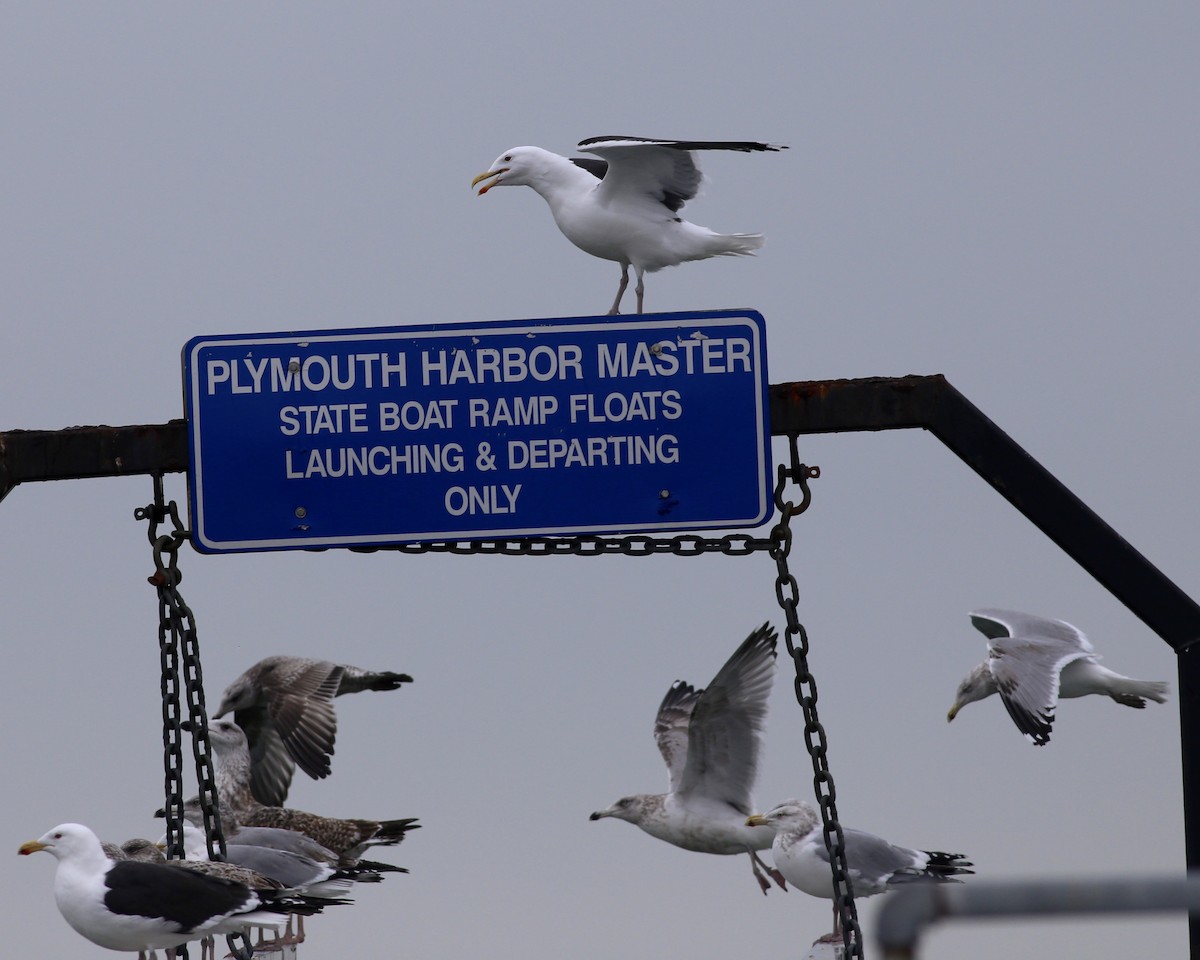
(469, 431)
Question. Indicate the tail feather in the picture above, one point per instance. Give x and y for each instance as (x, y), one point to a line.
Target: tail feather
(284, 901)
(736, 244)
(1135, 693)
(389, 829)
(335, 888)
(374, 866)
(944, 867)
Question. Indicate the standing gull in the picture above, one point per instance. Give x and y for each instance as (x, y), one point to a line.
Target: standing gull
(133, 905)
(710, 740)
(232, 772)
(874, 864)
(297, 847)
(1033, 662)
(625, 206)
(278, 868)
(285, 707)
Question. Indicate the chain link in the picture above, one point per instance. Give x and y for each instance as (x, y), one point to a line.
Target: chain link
(635, 545)
(176, 630)
(787, 592)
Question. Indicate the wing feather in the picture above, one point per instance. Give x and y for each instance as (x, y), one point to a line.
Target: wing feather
(727, 724)
(671, 728)
(1026, 656)
(663, 171)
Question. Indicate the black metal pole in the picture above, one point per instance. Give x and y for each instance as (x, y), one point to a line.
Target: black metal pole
(1189, 726)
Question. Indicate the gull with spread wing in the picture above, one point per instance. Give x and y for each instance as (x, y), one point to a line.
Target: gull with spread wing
(285, 707)
(625, 206)
(710, 740)
(1033, 662)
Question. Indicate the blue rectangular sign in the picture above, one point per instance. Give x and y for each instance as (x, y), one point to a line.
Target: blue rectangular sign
(471, 431)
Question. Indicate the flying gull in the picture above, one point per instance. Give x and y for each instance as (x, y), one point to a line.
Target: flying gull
(285, 706)
(348, 838)
(133, 905)
(874, 864)
(710, 740)
(625, 206)
(1033, 662)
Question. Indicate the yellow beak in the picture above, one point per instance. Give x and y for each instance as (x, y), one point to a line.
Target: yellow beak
(484, 176)
(953, 713)
(756, 821)
(33, 846)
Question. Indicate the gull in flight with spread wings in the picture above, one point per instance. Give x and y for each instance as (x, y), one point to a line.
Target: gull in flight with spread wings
(1035, 661)
(625, 206)
(284, 705)
(710, 740)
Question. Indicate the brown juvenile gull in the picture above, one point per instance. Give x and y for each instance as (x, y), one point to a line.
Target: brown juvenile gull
(285, 706)
(874, 864)
(231, 769)
(625, 206)
(1033, 662)
(710, 740)
(134, 906)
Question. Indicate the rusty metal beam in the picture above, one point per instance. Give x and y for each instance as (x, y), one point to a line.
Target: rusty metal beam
(82, 452)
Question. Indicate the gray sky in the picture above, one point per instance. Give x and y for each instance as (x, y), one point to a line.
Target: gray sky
(1001, 194)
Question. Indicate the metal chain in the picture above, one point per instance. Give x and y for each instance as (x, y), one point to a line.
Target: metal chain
(176, 628)
(787, 592)
(635, 545)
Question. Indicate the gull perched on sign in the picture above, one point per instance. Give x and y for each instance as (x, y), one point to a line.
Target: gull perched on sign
(1033, 662)
(710, 740)
(625, 206)
(284, 706)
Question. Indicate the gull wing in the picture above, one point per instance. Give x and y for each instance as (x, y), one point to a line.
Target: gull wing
(597, 168)
(993, 623)
(727, 723)
(271, 766)
(663, 171)
(873, 862)
(671, 728)
(293, 723)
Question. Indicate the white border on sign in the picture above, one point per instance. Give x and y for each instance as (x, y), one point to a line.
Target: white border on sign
(496, 329)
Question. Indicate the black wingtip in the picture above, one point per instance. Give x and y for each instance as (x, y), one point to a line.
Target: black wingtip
(742, 146)
(388, 681)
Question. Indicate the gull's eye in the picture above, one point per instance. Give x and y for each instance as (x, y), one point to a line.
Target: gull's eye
(508, 158)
